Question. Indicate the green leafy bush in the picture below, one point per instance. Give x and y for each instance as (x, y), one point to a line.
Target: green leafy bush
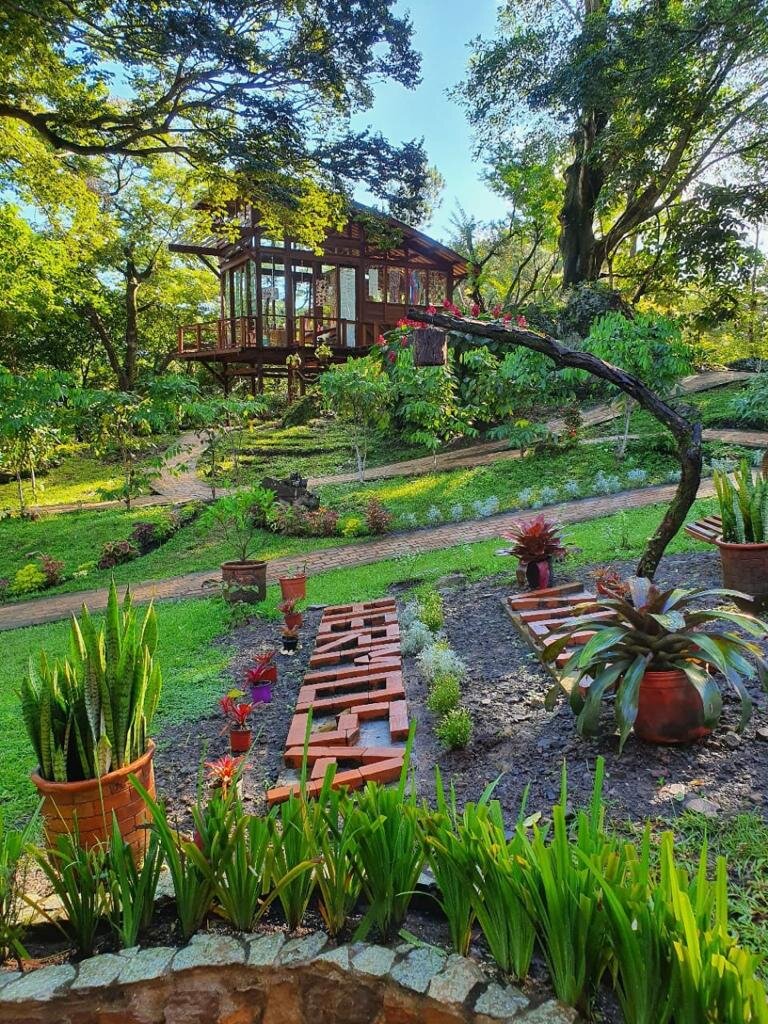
(444, 694)
(743, 501)
(431, 612)
(14, 844)
(750, 408)
(28, 579)
(454, 730)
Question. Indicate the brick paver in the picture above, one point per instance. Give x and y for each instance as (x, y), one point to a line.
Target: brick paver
(396, 545)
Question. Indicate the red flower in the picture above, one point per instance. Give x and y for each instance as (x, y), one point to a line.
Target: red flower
(496, 310)
(507, 317)
(431, 310)
(474, 309)
(405, 341)
(382, 341)
(456, 311)
(402, 322)
(391, 356)
(448, 304)
(522, 322)
(223, 771)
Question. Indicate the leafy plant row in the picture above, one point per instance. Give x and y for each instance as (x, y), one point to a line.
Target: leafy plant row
(599, 909)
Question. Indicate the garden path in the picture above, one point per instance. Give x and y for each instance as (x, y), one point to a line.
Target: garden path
(173, 487)
(392, 546)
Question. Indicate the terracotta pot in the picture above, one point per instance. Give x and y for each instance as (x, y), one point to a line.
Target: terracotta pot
(293, 619)
(669, 709)
(240, 741)
(745, 567)
(261, 693)
(537, 575)
(90, 803)
(244, 581)
(293, 588)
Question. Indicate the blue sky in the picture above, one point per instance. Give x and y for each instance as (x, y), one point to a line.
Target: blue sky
(442, 31)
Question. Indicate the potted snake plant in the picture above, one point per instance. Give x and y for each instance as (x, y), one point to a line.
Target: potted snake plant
(656, 652)
(743, 544)
(89, 718)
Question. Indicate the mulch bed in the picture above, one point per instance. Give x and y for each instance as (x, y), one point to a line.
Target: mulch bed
(515, 738)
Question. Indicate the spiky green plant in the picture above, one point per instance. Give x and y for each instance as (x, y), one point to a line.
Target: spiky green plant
(657, 630)
(91, 712)
(743, 502)
(14, 845)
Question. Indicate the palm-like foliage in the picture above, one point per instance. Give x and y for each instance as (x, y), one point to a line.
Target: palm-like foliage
(659, 630)
(91, 712)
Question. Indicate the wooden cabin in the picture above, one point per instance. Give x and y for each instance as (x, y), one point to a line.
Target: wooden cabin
(279, 299)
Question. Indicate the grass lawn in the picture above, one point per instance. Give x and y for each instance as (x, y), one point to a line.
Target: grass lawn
(78, 478)
(319, 448)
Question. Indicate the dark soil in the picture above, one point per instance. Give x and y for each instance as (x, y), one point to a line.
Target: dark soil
(523, 744)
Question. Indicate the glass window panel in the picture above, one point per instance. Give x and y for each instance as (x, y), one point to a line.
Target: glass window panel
(417, 287)
(374, 277)
(396, 289)
(273, 303)
(348, 303)
(327, 299)
(438, 287)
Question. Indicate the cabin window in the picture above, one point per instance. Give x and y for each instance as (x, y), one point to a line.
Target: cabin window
(327, 298)
(348, 305)
(417, 287)
(374, 277)
(273, 302)
(438, 288)
(396, 286)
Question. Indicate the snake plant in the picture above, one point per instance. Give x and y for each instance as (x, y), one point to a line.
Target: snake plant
(90, 713)
(743, 505)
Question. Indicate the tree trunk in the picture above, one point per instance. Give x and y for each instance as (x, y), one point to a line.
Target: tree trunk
(130, 372)
(686, 433)
(581, 254)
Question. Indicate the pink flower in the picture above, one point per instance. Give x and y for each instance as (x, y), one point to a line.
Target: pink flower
(403, 322)
(474, 309)
(496, 310)
(382, 341)
(507, 317)
(448, 304)
(404, 341)
(391, 356)
(431, 310)
(522, 322)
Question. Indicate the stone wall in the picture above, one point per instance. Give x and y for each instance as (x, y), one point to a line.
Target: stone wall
(267, 979)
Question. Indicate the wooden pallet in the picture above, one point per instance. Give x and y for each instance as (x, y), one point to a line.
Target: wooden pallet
(356, 675)
(542, 617)
(709, 529)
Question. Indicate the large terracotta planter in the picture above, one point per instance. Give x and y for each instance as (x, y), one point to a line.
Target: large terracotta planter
(669, 709)
(745, 567)
(89, 804)
(244, 581)
(293, 588)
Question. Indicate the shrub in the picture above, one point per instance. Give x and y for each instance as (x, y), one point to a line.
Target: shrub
(323, 522)
(444, 694)
(5, 585)
(486, 507)
(457, 513)
(606, 484)
(378, 519)
(434, 515)
(352, 526)
(430, 610)
(116, 552)
(13, 876)
(147, 536)
(53, 569)
(637, 477)
(28, 579)
(750, 408)
(455, 729)
(572, 489)
(548, 495)
(439, 660)
(415, 638)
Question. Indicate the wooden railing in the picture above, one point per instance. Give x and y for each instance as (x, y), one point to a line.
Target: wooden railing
(244, 332)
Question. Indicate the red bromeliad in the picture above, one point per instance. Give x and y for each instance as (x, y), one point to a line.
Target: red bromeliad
(238, 712)
(223, 771)
(537, 543)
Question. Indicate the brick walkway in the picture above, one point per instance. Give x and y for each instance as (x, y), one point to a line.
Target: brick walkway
(202, 584)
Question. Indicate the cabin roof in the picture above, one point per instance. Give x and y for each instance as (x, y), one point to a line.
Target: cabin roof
(215, 246)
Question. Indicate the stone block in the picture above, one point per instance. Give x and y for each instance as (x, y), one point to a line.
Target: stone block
(501, 1001)
(457, 979)
(147, 964)
(208, 950)
(375, 960)
(297, 951)
(98, 971)
(263, 951)
(419, 967)
(38, 986)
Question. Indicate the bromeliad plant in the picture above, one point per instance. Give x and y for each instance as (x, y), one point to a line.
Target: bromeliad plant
(92, 712)
(537, 543)
(743, 505)
(655, 630)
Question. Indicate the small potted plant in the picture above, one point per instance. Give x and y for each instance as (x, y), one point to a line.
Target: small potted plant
(743, 544)
(262, 677)
(537, 544)
(293, 618)
(657, 652)
(294, 588)
(237, 712)
(290, 639)
(238, 520)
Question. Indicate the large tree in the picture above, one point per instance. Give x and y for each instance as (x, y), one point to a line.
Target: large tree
(257, 92)
(650, 102)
